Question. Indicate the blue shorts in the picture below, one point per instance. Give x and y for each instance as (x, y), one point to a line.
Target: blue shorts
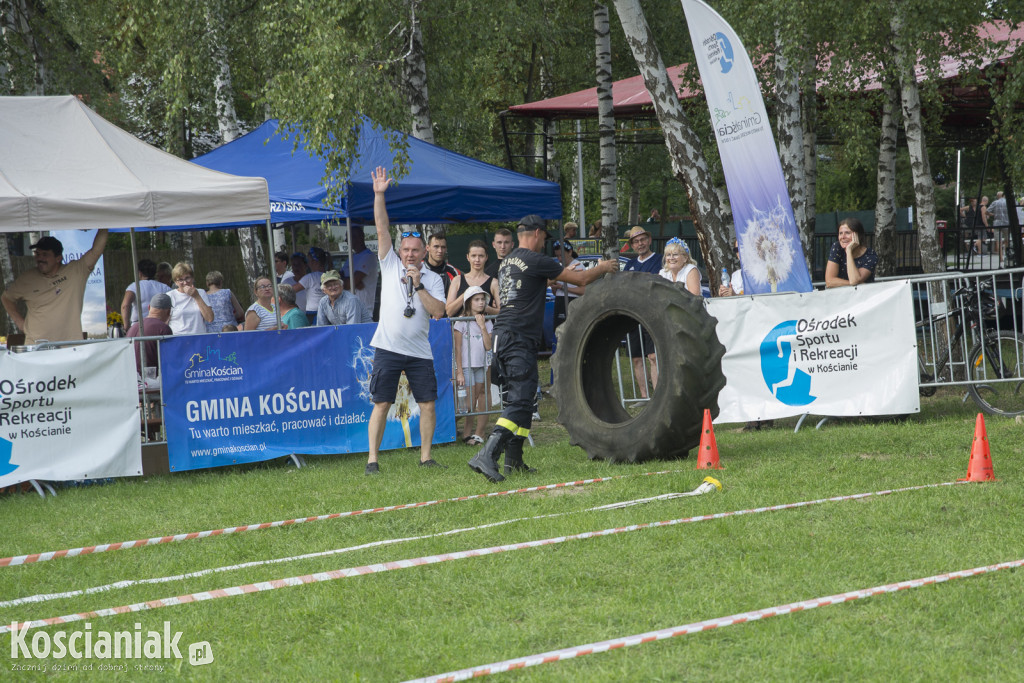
(387, 372)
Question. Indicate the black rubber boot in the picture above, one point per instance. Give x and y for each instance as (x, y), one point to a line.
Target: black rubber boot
(514, 456)
(486, 459)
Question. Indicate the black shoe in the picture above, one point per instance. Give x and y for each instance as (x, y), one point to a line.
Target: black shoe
(486, 459)
(514, 457)
(432, 463)
(372, 468)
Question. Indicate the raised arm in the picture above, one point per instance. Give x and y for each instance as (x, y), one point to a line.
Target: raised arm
(381, 182)
(582, 278)
(90, 257)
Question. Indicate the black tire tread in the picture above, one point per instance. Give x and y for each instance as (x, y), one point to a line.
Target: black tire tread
(690, 368)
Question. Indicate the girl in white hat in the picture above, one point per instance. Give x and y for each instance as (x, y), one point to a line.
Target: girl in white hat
(472, 343)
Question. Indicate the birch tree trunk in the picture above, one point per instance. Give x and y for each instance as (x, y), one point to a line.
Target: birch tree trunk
(810, 122)
(414, 79)
(546, 144)
(885, 205)
(606, 130)
(684, 147)
(791, 140)
(924, 188)
(223, 88)
(253, 256)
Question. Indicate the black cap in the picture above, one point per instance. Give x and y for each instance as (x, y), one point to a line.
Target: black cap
(532, 222)
(49, 244)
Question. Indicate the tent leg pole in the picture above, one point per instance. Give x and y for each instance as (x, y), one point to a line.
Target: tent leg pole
(351, 269)
(142, 333)
(273, 275)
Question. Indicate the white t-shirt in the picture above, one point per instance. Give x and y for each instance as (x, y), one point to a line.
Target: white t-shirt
(395, 332)
(311, 282)
(474, 355)
(186, 318)
(149, 289)
(667, 274)
(365, 262)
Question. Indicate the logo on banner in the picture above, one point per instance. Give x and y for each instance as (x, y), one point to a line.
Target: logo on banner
(6, 449)
(719, 50)
(788, 383)
(213, 368)
(795, 350)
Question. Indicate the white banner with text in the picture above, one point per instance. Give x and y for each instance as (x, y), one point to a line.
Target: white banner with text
(70, 413)
(848, 351)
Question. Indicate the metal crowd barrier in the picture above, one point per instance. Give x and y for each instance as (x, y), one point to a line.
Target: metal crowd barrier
(969, 332)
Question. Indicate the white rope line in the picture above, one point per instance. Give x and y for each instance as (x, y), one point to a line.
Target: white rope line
(707, 625)
(158, 540)
(318, 577)
(705, 487)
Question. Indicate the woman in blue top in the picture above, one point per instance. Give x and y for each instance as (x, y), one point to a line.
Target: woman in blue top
(849, 261)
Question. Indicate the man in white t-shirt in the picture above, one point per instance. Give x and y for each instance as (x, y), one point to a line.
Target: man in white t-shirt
(367, 269)
(410, 295)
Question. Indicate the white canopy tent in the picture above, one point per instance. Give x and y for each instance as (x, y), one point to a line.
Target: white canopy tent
(64, 167)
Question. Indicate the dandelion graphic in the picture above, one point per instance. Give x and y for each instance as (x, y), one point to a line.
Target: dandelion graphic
(362, 364)
(766, 253)
(404, 406)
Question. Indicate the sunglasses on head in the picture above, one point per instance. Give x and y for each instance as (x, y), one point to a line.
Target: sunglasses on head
(411, 234)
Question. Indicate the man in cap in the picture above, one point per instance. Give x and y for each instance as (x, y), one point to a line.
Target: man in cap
(53, 293)
(153, 325)
(518, 333)
(640, 342)
(338, 305)
(410, 295)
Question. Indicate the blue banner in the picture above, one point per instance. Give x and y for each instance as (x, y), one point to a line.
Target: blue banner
(251, 396)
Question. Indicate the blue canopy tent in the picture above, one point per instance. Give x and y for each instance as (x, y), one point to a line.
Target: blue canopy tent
(440, 186)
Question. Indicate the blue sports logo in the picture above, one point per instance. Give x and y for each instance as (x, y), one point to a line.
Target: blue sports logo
(787, 383)
(6, 448)
(726, 60)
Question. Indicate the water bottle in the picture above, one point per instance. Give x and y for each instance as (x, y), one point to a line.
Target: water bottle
(461, 401)
(725, 277)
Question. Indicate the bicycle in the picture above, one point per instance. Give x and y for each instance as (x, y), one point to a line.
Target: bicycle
(994, 367)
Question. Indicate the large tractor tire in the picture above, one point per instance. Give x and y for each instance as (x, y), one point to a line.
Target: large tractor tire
(689, 362)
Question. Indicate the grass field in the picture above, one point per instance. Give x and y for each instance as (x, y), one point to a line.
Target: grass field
(431, 619)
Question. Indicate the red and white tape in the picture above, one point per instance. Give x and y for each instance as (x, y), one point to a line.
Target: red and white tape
(234, 591)
(707, 486)
(158, 540)
(708, 625)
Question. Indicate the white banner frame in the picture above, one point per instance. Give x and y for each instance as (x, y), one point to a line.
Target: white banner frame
(70, 413)
(844, 352)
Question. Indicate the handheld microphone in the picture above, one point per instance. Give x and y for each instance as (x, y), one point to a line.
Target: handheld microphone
(411, 291)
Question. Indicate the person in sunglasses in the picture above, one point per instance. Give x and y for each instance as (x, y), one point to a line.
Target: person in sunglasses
(410, 295)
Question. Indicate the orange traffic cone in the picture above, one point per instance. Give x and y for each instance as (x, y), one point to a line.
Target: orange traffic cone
(979, 467)
(708, 457)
